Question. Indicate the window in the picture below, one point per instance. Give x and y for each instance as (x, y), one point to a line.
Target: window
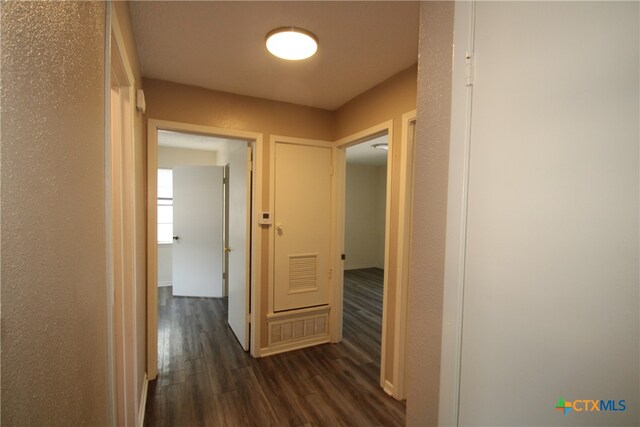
(165, 206)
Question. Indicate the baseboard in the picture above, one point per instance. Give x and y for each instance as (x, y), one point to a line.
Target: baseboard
(388, 388)
(143, 400)
(266, 351)
(366, 267)
(164, 283)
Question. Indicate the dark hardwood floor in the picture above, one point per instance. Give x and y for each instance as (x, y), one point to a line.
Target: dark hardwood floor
(205, 379)
(362, 311)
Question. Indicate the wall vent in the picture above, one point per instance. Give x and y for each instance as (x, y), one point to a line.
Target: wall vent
(288, 331)
(303, 273)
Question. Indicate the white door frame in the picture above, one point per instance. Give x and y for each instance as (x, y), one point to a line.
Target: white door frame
(336, 315)
(404, 173)
(125, 404)
(273, 140)
(457, 197)
(152, 242)
(403, 253)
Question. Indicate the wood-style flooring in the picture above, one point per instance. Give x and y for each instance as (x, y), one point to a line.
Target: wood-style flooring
(206, 379)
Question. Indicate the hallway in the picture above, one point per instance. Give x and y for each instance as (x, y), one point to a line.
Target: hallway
(205, 379)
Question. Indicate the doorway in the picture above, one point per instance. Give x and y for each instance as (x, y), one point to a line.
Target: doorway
(190, 214)
(364, 245)
(360, 145)
(397, 236)
(195, 157)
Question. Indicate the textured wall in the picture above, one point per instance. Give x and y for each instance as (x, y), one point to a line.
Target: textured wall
(429, 212)
(387, 101)
(54, 348)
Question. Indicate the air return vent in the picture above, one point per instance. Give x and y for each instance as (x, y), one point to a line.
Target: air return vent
(289, 331)
(303, 273)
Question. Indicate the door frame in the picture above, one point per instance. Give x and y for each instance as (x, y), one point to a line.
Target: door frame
(273, 140)
(153, 126)
(225, 237)
(126, 407)
(336, 316)
(403, 254)
(404, 174)
(457, 203)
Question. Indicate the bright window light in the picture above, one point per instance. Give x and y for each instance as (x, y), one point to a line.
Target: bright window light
(165, 206)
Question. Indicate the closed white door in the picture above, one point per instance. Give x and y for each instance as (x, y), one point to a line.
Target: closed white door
(238, 247)
(197, 228)
(302, 226)
(551, 310)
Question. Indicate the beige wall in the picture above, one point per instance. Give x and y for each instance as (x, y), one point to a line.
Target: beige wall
(365, 216)
(122, 14)
(189, 104)
(387, 101)
(52, 208)
(429, 212)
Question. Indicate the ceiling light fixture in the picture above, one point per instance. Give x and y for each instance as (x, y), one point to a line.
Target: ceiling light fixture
(381, 146)
(291, 43)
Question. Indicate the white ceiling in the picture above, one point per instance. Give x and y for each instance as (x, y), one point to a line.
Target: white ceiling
(365, 154)
(191, 141)
(220, 45)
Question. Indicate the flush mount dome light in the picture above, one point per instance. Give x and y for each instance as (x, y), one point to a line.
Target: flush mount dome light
(381, 146)
(291, 43)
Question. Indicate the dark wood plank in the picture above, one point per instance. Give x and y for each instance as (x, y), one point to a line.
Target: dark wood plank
(206, 379)
(362, 312)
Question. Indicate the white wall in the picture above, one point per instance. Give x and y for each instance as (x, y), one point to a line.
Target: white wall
(165, 264)
(365, 203)
(168, 157)
(551, 266)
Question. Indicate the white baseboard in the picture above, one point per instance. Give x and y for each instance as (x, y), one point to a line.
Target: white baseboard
(143, 400)
(388, 388)
(351, 267)
(164, 283)
(266, 351)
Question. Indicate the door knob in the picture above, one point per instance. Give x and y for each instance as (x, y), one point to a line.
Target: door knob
(176, 237)
(227, 249)
(279, 226)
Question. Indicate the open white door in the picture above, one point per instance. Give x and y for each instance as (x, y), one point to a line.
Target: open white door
(302, 219)
(238, 249)
(197, 225)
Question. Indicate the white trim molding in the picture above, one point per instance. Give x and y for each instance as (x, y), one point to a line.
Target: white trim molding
(461, 98)
(403, 254)
(336, 315)
(143, 400)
